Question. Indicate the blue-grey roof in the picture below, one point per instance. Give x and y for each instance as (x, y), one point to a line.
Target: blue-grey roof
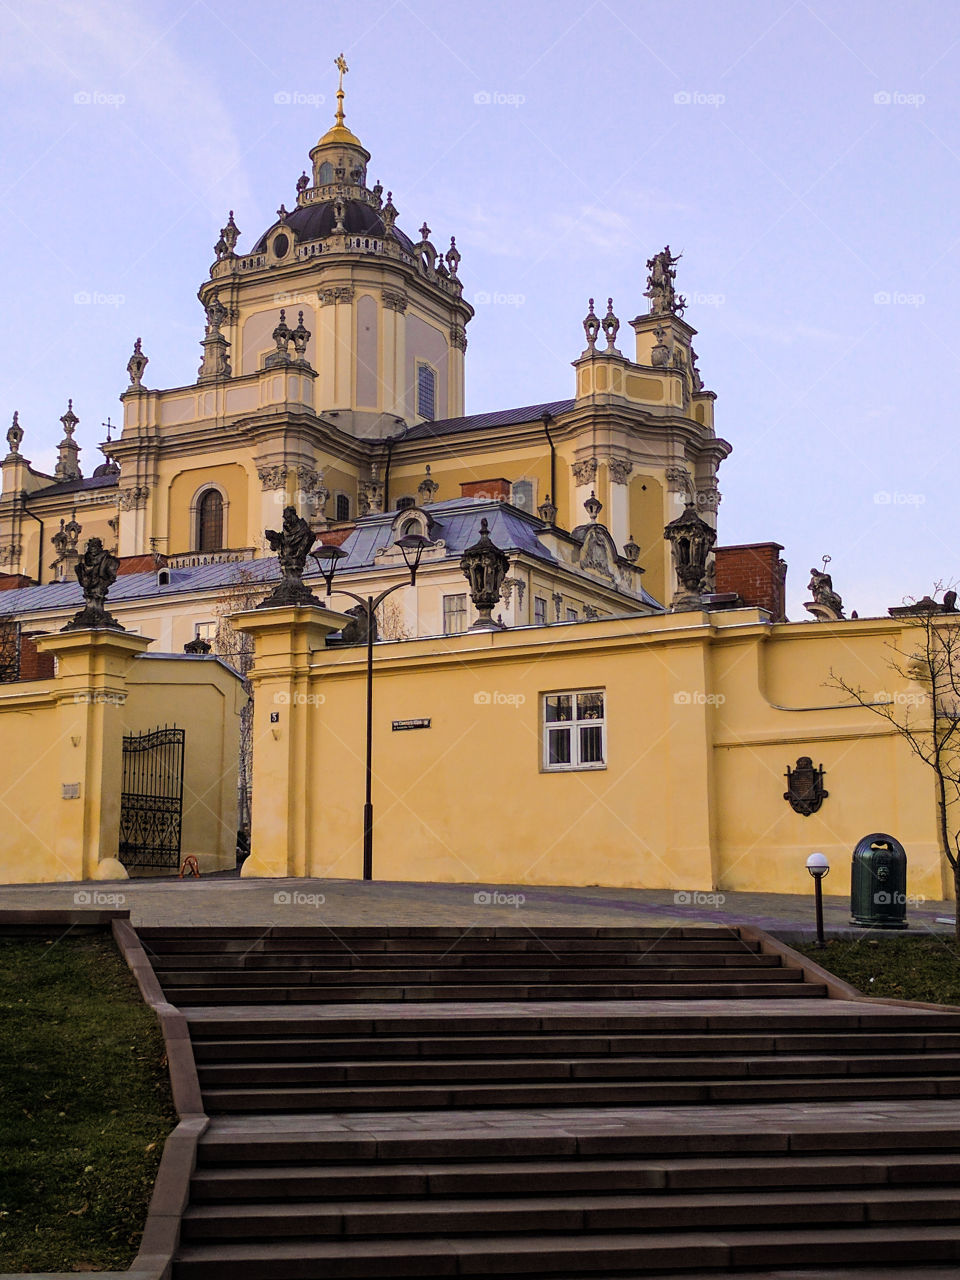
(480, 421)
(456, 523)
(78, 486)
(57, 596)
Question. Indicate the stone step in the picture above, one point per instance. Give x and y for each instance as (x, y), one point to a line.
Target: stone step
(797, 1015)
(459, 962)
(579, 1093)
(707, 976)
(719, 1046)
(571, 1176)
(703, 1135)
(249, 994)
(548, 935)
(529, 947)
(401, 1071)
(681, 1211)
(583, 1255)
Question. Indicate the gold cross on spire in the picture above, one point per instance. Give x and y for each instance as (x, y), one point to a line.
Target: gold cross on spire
(341, 64)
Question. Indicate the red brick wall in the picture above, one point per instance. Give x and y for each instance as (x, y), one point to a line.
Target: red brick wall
(13, 581)
(141, 564)
(498, 490)
(33, 665)
(753, 572)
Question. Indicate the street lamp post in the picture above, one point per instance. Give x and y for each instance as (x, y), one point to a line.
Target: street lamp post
(818, 866)
(411, 545)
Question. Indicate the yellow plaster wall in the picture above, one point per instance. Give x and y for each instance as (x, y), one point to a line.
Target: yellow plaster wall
(31, 782)
(692, 795)
(646, 527)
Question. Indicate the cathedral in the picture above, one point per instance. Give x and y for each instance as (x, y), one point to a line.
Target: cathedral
(332, 379)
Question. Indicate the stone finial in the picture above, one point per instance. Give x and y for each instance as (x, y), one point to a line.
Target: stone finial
(547, 511)
(377, 191)
(611, 326)
(229, 235)
(15, 436)
(591, 327)
(692, 541)
(282, 213)
(300, 336)
(424, 232)
(427, 487)
(68, 466)
(69, 420)
(96, 572)
(302, 182)
(452, 256)
(593, 506)
(136, 365)
(282, 336)
(631, 551)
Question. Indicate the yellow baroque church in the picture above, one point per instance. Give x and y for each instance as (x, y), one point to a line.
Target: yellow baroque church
(332, 378)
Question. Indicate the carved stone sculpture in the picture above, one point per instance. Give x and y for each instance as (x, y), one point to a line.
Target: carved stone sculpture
(664, 299)
(96, 572)
(826, 605)
(292, 543)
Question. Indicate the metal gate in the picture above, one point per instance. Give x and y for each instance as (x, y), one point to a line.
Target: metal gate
(151, 803)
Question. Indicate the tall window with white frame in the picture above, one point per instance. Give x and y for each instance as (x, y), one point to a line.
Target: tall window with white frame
(454, 614)
(426, 392)
(539, 611)
(574, 730)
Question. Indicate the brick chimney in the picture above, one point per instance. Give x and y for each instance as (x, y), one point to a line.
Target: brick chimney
(495, 490)
(755, 572)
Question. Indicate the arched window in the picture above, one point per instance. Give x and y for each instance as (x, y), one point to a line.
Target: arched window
(403, 503)
(343, 507)
(210, 521)
(326, 173)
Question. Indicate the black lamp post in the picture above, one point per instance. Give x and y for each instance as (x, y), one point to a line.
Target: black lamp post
(818, 866)
(412, 545)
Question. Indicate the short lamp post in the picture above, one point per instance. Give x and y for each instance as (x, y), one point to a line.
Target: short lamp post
(411, 545)
(818, 866)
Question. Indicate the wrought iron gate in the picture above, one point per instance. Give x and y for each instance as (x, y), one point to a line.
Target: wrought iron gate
(151, 803)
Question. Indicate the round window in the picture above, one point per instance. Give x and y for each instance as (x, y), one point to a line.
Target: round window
(281, 245)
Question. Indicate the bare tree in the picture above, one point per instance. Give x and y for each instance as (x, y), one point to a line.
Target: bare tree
(928, 721)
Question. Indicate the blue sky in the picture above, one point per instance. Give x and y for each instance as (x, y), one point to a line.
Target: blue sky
(804, 157)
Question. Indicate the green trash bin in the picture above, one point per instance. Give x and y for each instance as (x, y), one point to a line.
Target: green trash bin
(878, 883)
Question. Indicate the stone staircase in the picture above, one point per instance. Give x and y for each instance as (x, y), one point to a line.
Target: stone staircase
(583, 1102)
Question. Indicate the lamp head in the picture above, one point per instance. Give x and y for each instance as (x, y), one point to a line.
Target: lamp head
(818, 866)
(327, 558)
(412, 546)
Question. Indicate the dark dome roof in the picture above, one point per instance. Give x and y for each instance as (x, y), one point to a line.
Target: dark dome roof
(313, 221)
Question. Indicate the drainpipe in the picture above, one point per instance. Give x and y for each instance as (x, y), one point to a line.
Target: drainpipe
(27, 512)
(546, 419)
(386, 475)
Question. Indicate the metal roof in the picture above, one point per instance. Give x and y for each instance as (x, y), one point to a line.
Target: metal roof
(482, 421)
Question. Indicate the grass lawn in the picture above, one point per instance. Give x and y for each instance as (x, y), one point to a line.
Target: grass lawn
(926, 968)
(85, 1105)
